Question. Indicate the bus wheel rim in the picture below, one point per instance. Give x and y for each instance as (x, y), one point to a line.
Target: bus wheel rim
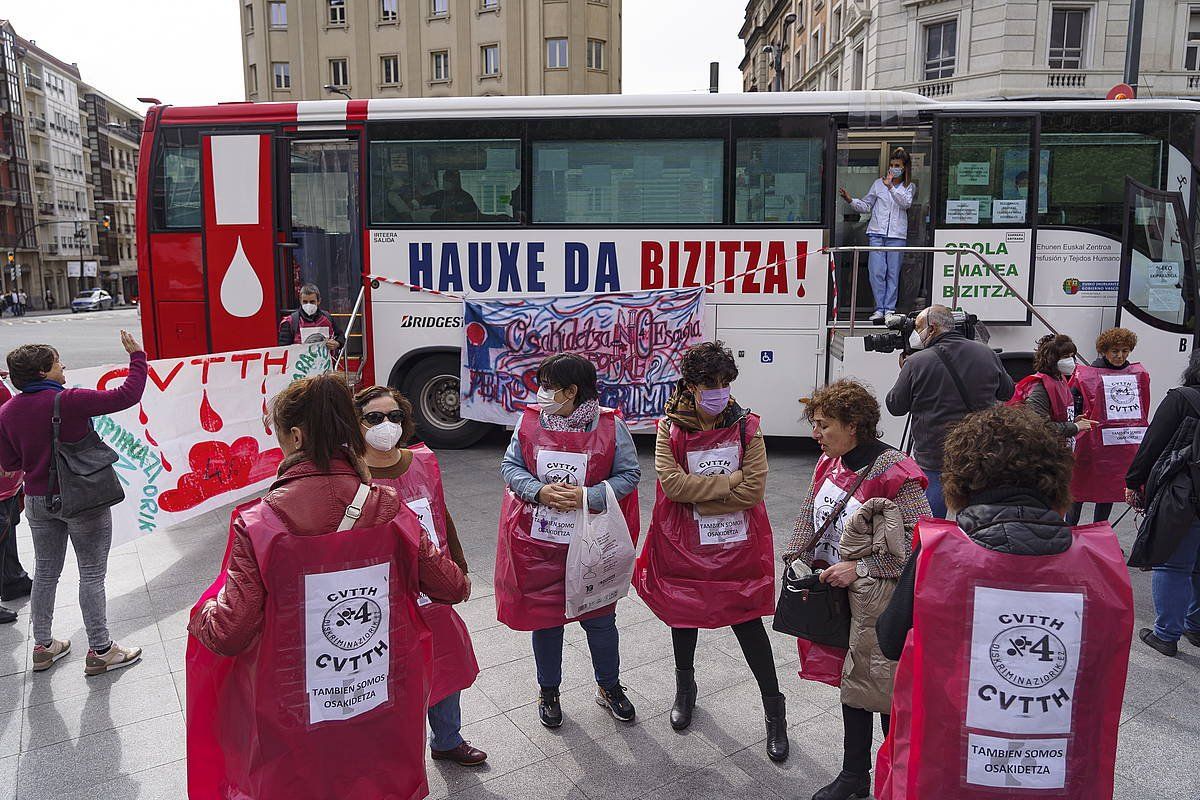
(439, 403)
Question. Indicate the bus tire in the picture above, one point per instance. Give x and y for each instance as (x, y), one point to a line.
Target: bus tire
(431, 385)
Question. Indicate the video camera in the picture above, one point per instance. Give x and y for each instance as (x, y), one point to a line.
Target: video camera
(901, 326)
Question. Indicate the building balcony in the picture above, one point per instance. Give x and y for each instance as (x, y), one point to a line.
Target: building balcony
(33, 82)
(41, 166)
(47, 209)
(37, 124)
(6, 150)
(9, 197)
(1050, 83)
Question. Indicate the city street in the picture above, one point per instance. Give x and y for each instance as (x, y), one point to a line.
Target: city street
(122, 734)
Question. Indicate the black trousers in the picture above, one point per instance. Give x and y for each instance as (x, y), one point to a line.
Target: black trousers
(856, 756)
(10, 565)
(756, 647)
(1103, 512)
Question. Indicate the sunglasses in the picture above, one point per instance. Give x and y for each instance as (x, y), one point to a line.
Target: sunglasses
(373, 418)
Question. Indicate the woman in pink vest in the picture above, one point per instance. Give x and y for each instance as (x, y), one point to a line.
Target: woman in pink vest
(565, 447)
(1011, 628)
(854, 467)
(386, 417)
(1046, 391)
(709, 558)
(309, 664)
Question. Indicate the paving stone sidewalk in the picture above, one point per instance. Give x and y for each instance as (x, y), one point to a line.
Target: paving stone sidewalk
(122, 735)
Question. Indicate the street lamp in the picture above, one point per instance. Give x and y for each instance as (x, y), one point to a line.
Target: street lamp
(329, 87)
(776, 52)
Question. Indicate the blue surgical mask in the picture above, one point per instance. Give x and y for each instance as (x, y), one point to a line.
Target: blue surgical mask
(897, 172)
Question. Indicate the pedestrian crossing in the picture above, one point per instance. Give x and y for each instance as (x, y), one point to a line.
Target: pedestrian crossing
(67, 317)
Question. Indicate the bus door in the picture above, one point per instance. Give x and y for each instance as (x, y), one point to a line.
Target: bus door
(862, 158)
(319, 226)
(1158, 292)
(239, 257)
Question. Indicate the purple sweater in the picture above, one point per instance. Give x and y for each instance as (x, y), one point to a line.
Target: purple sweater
(26, 432)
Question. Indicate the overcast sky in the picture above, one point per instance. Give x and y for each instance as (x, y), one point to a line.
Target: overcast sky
(189, 53)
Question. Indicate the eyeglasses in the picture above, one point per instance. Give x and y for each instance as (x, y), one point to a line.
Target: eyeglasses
(373, 418)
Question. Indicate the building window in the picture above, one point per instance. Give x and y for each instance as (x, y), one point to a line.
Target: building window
(489, 5)
(389, 10)
(249, 19)
(798, 68)
(337, 12)
(1068, 27)
(490, 59)
(389, 68)
(1191, 53)
(859, 65)
(339, 72)
(835, 81)
(251, 79)
(441, 65)
(595, 54)
(814, 51)
(282, 71)
(941, 49)
(439, 8)
(278, 14)
(836, 30)
(556, 53)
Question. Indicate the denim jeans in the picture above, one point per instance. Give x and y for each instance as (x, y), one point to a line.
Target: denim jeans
(603, 641)
(91, 536)
(933, 493)
(884, 269)
(1176, 589)
(445, 720)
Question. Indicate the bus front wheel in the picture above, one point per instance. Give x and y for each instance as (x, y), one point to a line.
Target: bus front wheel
(432, 387)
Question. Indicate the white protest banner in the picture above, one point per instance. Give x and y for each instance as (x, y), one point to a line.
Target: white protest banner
(197, 441)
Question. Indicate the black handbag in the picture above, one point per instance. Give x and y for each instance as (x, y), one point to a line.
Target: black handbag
(82, 478)
(809, 609)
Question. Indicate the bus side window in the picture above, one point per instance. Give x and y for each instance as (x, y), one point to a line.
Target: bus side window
(445, 181)
(779, 180)
(175, 183)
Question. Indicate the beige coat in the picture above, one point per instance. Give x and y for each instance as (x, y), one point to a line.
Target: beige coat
(877, 527)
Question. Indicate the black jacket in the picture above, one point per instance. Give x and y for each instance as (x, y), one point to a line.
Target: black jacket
(926, 390)
(1172, 411)
(1014, 521)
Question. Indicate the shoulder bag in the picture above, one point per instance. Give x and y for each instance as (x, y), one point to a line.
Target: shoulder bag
(82, 478)
(809, 609)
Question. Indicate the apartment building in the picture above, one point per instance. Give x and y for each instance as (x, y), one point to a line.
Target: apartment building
(68, 155)
(317, 49)
(968, 49)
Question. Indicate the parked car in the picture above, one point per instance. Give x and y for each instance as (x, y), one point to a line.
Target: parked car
(92, 300)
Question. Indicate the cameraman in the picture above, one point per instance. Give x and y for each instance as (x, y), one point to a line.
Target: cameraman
(949, 377)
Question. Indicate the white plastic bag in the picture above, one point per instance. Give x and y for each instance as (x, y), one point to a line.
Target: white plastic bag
(599, 559)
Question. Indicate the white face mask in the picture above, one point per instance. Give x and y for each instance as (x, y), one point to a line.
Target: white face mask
(384, 436)
(897, 172)
(915, 341)
(545, 399)
(309, 308)
(1066, 366)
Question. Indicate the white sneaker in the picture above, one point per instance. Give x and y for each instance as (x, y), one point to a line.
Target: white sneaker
(877, 318)
(116, 658)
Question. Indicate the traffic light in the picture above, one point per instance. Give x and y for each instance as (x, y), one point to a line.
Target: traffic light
(106, 223)
(12, 258)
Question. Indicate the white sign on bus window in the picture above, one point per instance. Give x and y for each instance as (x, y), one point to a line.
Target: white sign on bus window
(974, 173)
(980, 292)
(962, 212)
(1074, 268)
(1008, 211)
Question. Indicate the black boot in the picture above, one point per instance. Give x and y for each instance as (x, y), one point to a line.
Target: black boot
(685, 698)
(549, 711)
(777, 740)
(845, 786)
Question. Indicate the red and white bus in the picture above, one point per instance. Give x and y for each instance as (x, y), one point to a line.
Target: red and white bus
(1083, 207)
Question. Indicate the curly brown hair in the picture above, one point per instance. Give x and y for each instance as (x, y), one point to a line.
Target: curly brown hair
(708, 363)
(1006, 446)
(1113, 338)
(850, 403)
(365, 396)
(29, 362)
(1050, 349)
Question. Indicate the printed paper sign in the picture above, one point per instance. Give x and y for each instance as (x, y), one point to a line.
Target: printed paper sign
(1122, 435)
(1024, 660)
(827, 498)
(1016, 763)
(993, 294)
(962, 212)
(347, 624)
(198, 440)
(718, 528)
(1008, 211)
(424, 512)
(569, 469)
(1122, 399)
(1074, 268)
(974, 173)
(636, 342)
